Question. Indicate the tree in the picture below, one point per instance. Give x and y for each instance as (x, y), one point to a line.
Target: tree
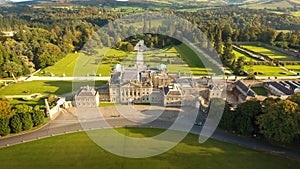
(24, 114)
(26, 120)
(246, 114)
(6, 109)
(218, 41)
(227, 32)
(12, 68)
(130, 47)
(227, 121)
(4, 126)
(295, 98)
(15, 124)
(239, 67)
(250, 75)
(37, 116)
(280, 121)
(228, 55)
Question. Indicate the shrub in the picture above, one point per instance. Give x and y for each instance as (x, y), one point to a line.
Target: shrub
(4, 126)
(15, 124)
(37, 116)
(26, 121)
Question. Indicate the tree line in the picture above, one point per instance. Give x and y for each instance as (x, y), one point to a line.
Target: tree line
(44, 36)
(275, 119)
(14, 119)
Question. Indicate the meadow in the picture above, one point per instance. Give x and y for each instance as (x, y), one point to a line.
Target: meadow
(270, 5)
(76, 150)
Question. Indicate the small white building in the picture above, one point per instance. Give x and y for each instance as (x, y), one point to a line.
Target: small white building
(87, 97)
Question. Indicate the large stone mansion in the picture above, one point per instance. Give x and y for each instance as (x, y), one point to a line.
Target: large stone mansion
(141, 84)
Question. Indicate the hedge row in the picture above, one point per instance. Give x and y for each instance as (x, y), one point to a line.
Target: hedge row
(21, 121)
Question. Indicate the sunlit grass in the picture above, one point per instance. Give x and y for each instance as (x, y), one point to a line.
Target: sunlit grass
(78, 151)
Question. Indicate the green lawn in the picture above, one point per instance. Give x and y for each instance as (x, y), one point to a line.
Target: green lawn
(269, 70)
(194, 61)
(43, 87)
(295, 68)
(247, 58)
(187, 62)
(81, 65)
(271, 53)
(260, 91)
(296, 13)
(78, 151)
(107, 104)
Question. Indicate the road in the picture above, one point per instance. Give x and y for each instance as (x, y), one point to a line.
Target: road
(67, 122)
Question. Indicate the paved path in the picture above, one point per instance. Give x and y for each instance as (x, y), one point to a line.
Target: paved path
(67, 122)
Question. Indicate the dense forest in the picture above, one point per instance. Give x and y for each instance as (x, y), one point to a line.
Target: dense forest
(42, 36)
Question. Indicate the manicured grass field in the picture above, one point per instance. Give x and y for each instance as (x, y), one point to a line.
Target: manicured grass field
(187, 62)
(260, 91)
(42, 87)
(82, 65)
(194, 61)
(271, 53)
(295, 68)
(269, 70)
(76, 150)
(247, 58)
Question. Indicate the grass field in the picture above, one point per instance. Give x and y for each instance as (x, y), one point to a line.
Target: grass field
(271, 53)
(260, 91)
(99, 64)
(270, 5)
(42, 87)
(269, 70)
(76, 150)
(247, 58)
(81, 65)
(295, 68)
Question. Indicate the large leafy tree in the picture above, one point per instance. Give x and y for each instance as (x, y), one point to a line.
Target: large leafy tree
(6, 113)
(280, 122)
(12, 68)
(228, 56)
(227, 121)
(246, 114)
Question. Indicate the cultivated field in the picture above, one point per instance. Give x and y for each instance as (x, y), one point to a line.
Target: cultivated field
(271, 53)
(76, 150)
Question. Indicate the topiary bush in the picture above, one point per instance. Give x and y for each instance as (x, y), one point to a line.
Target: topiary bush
(15, 124)
(4, 126)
